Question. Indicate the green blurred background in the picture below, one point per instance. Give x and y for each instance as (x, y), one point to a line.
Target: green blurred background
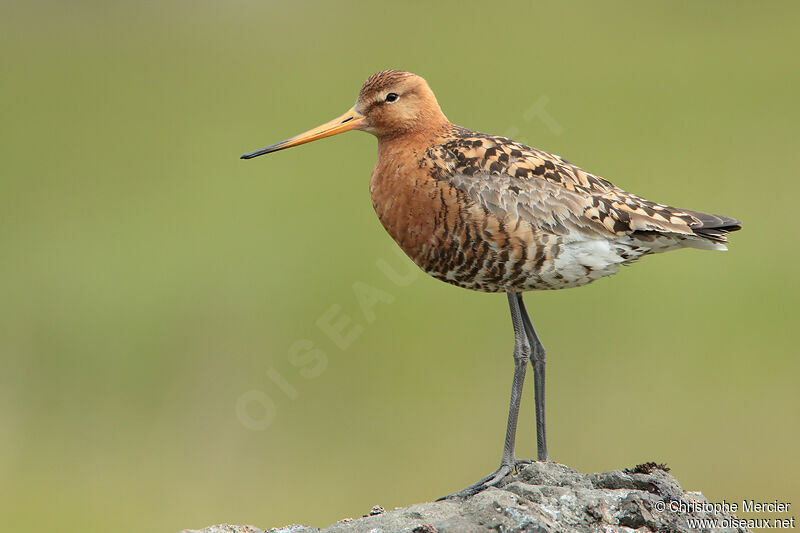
(153, 284)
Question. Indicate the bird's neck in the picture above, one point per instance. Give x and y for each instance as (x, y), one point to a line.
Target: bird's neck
(413, 140)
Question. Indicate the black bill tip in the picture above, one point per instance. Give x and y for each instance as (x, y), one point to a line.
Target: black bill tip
(262, 151)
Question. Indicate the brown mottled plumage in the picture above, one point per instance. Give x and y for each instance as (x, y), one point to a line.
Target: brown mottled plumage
(486, 213)
(489, 214)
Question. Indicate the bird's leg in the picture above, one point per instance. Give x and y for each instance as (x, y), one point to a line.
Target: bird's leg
(538, 362)
(522, 353)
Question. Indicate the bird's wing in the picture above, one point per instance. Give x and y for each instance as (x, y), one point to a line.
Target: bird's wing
(517, 184)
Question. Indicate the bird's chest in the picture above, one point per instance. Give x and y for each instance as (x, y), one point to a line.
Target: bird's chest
(440, 228)
(420, 213)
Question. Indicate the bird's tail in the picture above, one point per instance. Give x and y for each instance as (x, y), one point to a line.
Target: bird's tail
(712, 230)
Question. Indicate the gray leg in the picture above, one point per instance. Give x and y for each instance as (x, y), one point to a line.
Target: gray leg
(522, 353)
(538, 362)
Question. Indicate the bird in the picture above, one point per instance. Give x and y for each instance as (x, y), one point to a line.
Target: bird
(486, 213)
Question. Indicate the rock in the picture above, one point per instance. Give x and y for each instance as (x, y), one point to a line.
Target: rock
(225, 528)
(542, 498)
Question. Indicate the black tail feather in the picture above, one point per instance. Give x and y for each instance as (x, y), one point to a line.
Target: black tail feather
(713, 227)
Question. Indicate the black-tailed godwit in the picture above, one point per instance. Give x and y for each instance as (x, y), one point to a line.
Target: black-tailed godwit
(486, 213)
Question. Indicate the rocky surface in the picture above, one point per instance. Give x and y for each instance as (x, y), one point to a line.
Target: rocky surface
(544, 498)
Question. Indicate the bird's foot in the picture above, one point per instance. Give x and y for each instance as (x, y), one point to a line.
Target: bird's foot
(492, 480)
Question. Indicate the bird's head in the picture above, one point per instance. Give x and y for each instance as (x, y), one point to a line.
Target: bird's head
(390, 103)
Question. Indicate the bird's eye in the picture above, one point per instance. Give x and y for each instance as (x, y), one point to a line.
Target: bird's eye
(392, 97)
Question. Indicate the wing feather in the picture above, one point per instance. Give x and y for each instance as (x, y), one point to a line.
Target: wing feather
(514, 181)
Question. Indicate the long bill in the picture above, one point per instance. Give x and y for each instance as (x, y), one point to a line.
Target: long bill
(352, 120)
